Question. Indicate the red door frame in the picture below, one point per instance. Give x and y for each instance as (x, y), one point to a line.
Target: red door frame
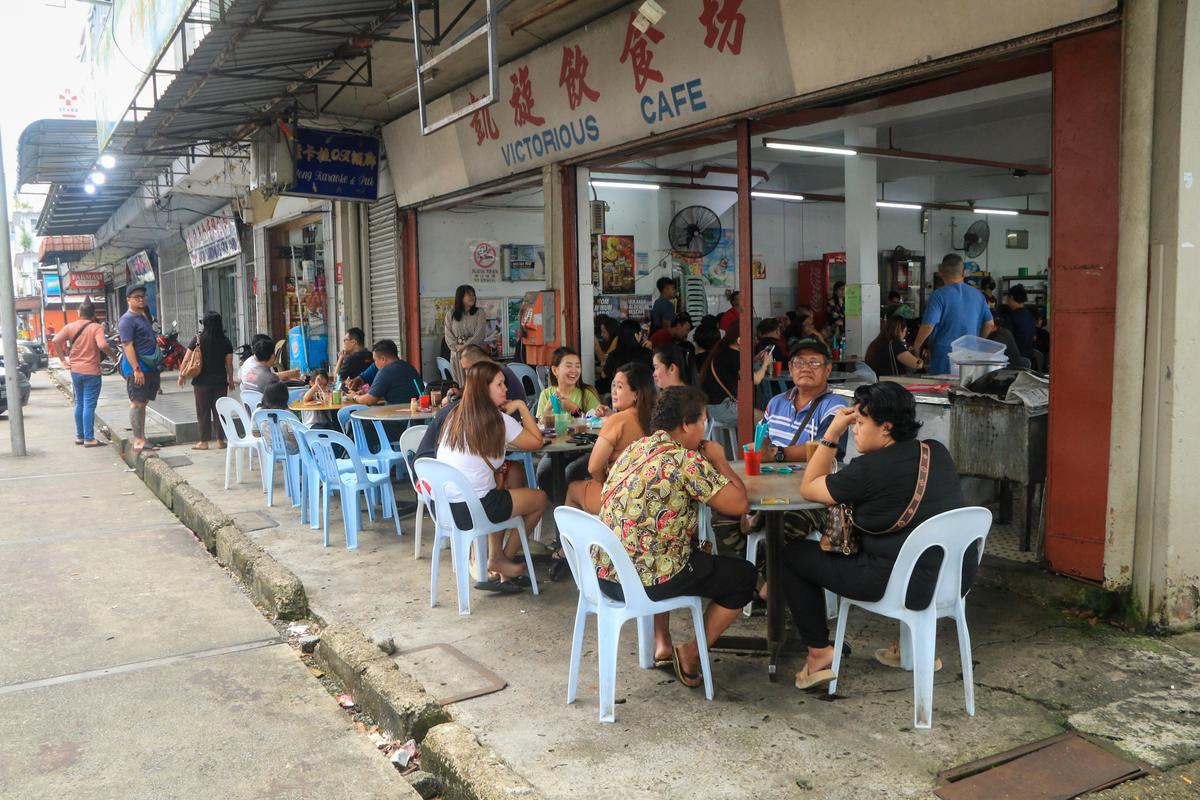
(412, 289)
(1085, 146)
(570, 247)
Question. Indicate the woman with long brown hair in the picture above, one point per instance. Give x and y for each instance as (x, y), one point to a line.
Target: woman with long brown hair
(473, 441)
(719, 377)
(633, 397)
(464, 325)
(888, 354)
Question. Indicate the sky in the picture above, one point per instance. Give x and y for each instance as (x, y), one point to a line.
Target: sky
(39, 59)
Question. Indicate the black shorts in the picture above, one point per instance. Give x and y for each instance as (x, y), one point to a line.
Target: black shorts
(497, 504)
(147, 391)
(727, 580)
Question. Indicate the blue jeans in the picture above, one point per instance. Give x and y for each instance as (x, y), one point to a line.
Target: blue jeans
(87, 392)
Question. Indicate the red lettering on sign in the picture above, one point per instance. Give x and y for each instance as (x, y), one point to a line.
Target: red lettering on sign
(727, 14)
(573, 76)
(637, 45)
(482, 123)
(522, 98)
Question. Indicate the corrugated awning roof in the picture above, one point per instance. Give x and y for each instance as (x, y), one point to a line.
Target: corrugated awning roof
(255, 63)
(63, 153)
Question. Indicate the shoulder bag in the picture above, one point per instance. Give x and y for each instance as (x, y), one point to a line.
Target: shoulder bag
(841, 535)
(193, 362)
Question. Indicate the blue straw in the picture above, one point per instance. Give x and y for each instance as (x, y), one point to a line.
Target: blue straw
(420, 391)
(760, 432)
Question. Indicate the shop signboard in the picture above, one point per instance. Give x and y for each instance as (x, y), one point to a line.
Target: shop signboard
(140, 268)
(51, 285)
(212, 239)
(611, 82)
(85, 282)
(127, 41)
(337, 166)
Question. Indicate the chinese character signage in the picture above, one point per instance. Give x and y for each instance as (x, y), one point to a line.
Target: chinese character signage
(339, 166)
(612, 82)
(213, 238)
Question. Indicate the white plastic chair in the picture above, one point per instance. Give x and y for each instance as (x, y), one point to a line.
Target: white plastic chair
(232, 414)
(410, 440)
(528, 376)
(953, 532)
(441, 476)
(726, 436)
(251, 399)
(578, 533)
(443, 368)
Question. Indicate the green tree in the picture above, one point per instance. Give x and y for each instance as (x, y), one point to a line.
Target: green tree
(25, 240)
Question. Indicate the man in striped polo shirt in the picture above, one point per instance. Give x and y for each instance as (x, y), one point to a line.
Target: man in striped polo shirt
(809, 404)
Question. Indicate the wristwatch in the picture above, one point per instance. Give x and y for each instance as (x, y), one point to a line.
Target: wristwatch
(826, 443)
(780, 454)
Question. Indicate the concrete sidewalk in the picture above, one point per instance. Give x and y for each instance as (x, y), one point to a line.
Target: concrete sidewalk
(1039, 671)
(132, 665)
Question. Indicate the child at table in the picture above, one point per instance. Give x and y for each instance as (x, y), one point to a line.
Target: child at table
(276, 397)
(319, 392)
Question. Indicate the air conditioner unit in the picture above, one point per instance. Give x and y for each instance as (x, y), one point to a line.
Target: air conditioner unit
(598, 209)
(272, 168)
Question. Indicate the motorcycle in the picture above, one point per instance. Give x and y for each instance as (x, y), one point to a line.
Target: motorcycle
(109, 366)
(173, 352)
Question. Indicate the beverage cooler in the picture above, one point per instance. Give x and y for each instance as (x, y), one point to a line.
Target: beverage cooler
(903, 271)
(816, 280)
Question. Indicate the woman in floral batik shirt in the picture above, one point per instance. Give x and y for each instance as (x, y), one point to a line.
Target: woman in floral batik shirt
(651, 501)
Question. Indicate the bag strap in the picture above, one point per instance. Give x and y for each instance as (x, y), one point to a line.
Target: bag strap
(79, 333)
(918, 495)
(812, 409)
(607, 495)
(712, 367)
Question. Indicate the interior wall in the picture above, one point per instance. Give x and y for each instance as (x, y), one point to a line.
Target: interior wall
(444, 239)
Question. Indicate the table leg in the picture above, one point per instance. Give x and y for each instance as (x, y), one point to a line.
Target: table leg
(776, 628)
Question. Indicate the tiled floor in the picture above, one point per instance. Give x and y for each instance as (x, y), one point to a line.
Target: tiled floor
(1005, 542)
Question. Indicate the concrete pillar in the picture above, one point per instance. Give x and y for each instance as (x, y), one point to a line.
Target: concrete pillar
(587, 291)
(1166, 559)
(862, 241)
(1139, 32)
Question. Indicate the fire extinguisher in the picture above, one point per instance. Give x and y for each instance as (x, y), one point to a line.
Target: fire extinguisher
(902, 275)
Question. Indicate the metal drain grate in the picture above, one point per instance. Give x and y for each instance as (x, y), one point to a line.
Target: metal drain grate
(1054, 769)
(440, 668)
(177, 461)
(254, 521)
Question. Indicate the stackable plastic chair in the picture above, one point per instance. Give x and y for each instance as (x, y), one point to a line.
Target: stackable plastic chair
(297, 393)
(310, 479)
(410, 440)
(348, 483)
(382, 459)
(579, 532)
(344, 418)
(953, 532)
(274, 449)
(529, 379)
(726, 436)
(440, 477)
(251, 399)
(238, 435)
(443, 368)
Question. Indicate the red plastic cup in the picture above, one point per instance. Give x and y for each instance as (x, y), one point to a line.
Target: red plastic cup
(753, 462)
(778, 368)
(426, 403)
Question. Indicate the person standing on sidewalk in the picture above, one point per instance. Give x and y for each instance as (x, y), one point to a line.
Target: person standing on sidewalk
(80, 345)
(214, 380)
(142, 365)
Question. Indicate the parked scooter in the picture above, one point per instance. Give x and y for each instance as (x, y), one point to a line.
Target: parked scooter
(173, 352)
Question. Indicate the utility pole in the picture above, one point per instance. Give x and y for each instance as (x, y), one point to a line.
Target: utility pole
(8, 325)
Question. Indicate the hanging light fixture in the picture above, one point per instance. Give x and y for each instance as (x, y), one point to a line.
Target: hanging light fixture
(89, 188)
(108, 161)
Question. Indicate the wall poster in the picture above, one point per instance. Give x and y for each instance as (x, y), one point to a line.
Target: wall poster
(758, 267)
(493, 315)
(433, 314)
(523, 262)
(616, 264)
(719, 265)
(514, 322)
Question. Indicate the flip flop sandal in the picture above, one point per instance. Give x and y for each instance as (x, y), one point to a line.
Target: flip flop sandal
(680, 675)
(93, 443)
(890, 657)
(558, 569)
(79, 441)
(816, 680)
(522, 581)
(508, 587)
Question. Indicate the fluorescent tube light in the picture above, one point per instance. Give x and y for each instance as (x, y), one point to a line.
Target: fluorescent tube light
(98, 177)
(890, 204)
(778, 195)
(813, 148)
(89, 188)
(108, 161)
(1008, 212)
(625, 185)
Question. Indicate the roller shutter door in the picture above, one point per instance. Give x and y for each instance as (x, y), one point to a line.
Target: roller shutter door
(383, 267)
(178, 301)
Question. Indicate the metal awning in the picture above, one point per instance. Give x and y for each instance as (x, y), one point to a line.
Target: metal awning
(257, 62)
(63, 153)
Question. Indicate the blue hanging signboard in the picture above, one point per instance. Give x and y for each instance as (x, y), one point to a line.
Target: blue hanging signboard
(338, 166)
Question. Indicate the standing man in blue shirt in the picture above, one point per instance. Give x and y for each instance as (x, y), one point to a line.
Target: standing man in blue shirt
(662, 313)
(954, 310)
(143, 362)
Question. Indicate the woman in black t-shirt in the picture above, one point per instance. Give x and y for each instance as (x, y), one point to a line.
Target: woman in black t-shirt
(888, 354)
(215, 378)
(878, 485)
(719, 377)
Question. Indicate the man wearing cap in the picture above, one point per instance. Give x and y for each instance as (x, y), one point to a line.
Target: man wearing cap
(954, 310)
(803, 413)
(142, 364)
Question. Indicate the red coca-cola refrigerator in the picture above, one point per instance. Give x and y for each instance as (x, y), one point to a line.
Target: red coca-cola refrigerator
(816, 279)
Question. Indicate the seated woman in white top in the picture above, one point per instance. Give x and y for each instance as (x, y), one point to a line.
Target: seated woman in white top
(473, 441)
